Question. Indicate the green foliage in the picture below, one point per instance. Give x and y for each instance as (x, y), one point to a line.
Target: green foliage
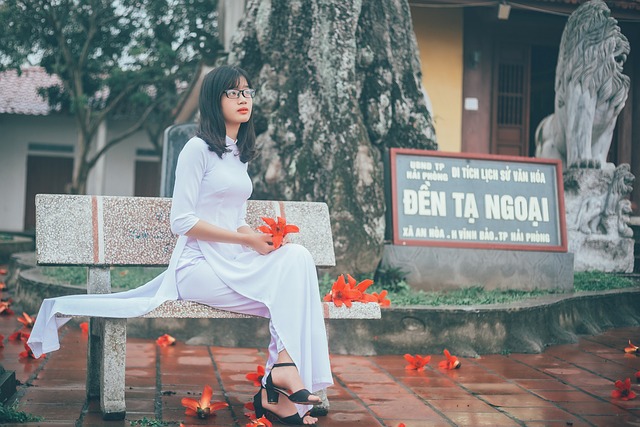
(10, 414)
(475, 295)
(599, 281)
(401, 294)
(126, 58)
(122, 278)
(76, 276)
(132, 277)
(146, 422)
(391, 278)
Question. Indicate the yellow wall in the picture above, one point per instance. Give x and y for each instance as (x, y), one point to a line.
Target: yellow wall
(439, 36)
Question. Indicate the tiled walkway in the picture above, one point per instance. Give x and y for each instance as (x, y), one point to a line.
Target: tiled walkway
(567, 385)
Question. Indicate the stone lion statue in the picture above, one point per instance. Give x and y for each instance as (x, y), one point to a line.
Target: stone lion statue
(590, 89)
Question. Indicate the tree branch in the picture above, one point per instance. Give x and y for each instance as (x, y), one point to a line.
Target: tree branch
(133, 129)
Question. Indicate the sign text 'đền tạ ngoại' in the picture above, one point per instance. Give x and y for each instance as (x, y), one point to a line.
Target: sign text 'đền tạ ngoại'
(477, 201)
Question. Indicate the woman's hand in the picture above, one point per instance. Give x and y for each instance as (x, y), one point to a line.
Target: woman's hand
(261, 243)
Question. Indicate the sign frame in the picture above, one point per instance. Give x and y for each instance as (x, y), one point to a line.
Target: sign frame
(559, 213)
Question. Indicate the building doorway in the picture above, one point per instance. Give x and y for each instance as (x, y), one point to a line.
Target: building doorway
(45, 175)
(543, 75)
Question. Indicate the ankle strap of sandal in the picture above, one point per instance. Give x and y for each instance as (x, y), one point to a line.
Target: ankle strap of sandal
(277, 365)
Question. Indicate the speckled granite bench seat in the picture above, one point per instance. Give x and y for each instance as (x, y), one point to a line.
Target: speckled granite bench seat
(103, 231)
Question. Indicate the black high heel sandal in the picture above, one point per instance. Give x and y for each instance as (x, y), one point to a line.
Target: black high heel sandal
(300, 397)
(294, 420)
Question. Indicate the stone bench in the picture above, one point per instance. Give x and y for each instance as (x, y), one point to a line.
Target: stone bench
(101, 231)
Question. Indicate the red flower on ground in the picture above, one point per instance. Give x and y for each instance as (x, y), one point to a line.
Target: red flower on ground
(27, 320)
(85, 327)
(27, 353)
(401, 425)
(256, 377)
(452, 362)
(260, 422)
(382, 298)
(249, 406)
(342, 293)
(165, 340)
(623, 390)
(5, 308)
(204, 407)
(416, 362)
(278, 228)
(632, 348)
(19, 336)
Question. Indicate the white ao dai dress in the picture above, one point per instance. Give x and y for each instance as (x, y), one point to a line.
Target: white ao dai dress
(282, 285)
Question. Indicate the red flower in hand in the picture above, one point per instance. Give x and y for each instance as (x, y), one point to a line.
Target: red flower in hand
(256, 377)
(342, 293)
(165, 340)
(204, 407)
(278, 228)
(623, 390)
(27, 353)
(452, 362)
(632, 348)
(27, 320)
(416, 362)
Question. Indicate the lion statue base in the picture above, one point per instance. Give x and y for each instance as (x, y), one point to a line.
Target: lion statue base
(590, 90)
(597, 211)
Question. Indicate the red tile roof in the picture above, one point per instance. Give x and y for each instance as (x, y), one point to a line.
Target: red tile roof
(19, 94)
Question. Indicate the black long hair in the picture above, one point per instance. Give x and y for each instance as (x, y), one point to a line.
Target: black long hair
(212, 128)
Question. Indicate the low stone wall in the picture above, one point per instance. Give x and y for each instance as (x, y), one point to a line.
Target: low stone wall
(524, 327)
(16, 244)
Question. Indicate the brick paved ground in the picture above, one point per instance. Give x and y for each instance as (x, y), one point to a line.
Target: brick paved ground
(567, 385)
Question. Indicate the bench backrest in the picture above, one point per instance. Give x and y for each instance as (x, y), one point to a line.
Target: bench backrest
(110, 230)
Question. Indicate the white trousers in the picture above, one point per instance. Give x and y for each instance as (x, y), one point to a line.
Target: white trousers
(198, 282)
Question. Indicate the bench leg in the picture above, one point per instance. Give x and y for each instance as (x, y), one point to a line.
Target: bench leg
(94, 355)
(98, 282)
(112, 368)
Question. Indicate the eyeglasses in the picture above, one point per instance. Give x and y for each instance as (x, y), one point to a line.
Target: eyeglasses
(235, 93)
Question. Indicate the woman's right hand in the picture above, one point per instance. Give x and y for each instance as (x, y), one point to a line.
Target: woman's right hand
(261, 243)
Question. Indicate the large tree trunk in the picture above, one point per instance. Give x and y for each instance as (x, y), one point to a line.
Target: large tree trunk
(338, 84)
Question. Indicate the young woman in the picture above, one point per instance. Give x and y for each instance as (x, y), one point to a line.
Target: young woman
(219, 261)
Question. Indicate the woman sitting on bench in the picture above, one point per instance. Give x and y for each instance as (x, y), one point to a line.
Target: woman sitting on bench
(220, 261)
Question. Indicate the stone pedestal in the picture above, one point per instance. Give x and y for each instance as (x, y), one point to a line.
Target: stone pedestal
(436, 268)
(598, 218)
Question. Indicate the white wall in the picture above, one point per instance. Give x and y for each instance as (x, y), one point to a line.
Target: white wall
(17, 131)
